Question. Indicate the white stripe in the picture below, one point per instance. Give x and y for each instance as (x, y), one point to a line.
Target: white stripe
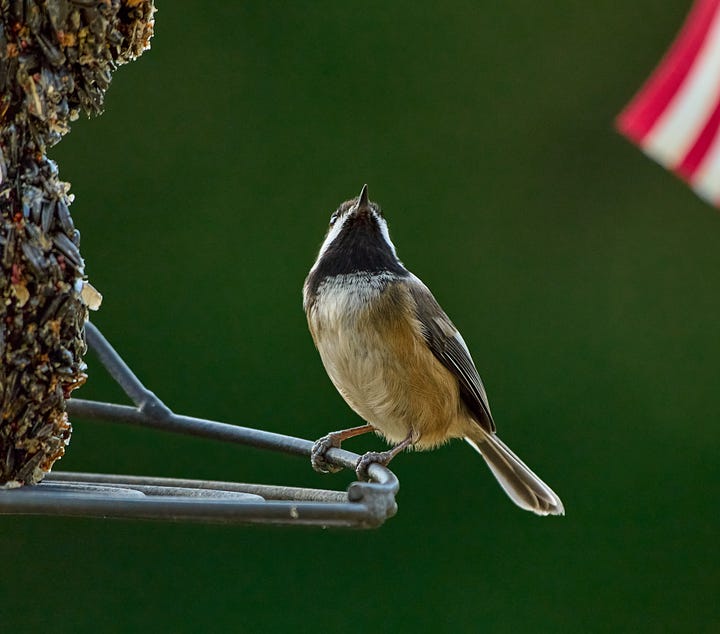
(706, 180)
(384, 231)
(333, 233)
(678, 127)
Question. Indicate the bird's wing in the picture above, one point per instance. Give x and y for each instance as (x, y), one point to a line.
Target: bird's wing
(448, 346)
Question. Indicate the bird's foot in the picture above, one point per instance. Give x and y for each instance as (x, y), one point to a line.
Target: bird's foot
(382, 458)
(372, 457)
(333, 440)
(320, 448)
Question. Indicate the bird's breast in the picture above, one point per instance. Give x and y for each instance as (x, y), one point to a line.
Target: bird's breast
(373, 350)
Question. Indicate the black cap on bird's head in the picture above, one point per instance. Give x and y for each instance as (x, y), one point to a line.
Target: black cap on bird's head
(360, 206)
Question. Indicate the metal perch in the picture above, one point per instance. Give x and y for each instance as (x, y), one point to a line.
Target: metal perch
(364, 505)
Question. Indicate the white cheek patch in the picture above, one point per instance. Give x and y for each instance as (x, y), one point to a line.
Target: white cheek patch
(332, 234)
(384, 231)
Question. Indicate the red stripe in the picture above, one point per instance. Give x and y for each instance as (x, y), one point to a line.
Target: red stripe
(643, 111)
(697, 152)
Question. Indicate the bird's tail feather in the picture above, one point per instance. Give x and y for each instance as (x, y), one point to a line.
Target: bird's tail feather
(516, 478)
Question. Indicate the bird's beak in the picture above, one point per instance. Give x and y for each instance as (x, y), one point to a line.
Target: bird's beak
(363, 198)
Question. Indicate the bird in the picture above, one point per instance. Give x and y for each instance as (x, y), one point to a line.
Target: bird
(397, 359)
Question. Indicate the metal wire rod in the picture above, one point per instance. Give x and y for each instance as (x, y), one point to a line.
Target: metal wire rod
(364, 505)
(268, 492)
(143, 398)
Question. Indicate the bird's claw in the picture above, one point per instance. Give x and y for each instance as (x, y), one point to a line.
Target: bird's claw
(318, 451)
(371, 457)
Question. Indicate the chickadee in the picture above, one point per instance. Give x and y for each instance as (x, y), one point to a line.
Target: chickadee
(397, 359)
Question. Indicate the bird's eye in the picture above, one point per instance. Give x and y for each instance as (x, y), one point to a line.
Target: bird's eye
(334, 218)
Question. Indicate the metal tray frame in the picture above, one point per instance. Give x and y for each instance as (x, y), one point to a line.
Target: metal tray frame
(363, 505)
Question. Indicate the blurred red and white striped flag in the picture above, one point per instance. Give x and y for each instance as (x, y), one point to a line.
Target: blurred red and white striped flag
(675, 118)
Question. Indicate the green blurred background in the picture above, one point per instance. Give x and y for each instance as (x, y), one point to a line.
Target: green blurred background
(584, 278)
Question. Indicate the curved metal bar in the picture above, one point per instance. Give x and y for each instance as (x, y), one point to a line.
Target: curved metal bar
(189, 425)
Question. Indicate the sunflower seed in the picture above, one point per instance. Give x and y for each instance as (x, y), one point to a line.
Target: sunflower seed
(68, 249)
(63, 216)
(34, 258)
(48, 215)
(54, 55)
(26, 471)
